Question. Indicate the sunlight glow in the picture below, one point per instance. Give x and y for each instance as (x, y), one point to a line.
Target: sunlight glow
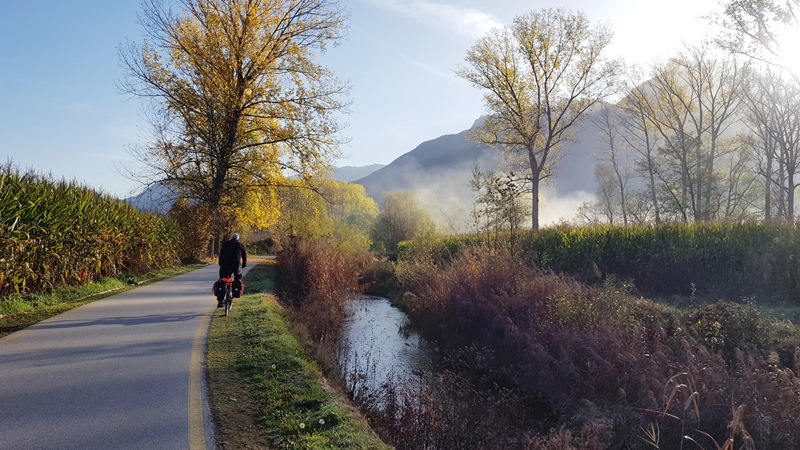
(788, 49)
(466, 21)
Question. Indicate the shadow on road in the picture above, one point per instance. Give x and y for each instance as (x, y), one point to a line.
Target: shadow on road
(112, 321)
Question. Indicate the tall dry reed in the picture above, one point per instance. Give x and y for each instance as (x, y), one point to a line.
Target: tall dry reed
(317, 280)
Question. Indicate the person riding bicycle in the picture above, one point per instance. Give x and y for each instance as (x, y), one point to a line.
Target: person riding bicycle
(232, 259)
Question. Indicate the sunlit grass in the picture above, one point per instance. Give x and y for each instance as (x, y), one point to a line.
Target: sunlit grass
(265, 391)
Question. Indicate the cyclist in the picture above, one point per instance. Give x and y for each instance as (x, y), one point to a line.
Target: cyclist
(232, 259)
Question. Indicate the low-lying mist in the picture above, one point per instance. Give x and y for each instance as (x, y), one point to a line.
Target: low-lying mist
(451, 206)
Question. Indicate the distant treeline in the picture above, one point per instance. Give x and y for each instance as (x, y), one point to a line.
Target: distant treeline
(56, 233)
(733, 260)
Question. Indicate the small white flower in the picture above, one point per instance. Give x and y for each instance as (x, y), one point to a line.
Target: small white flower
(273, 366)
(322, 421)
(302, 425)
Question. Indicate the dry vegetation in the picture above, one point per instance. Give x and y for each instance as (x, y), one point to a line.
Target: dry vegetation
(532, 359)
(599, 358)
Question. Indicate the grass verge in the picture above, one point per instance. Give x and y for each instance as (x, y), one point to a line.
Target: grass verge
(265, 392)
(18, 312)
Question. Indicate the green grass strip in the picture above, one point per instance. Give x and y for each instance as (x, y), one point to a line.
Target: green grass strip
(265, 391)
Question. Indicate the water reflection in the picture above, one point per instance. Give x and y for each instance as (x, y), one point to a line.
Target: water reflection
(378, 348)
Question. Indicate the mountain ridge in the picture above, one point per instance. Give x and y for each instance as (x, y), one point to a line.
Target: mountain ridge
(439, 170)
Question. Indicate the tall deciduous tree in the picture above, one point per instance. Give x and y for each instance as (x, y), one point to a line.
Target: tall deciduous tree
(682, 123)
(498, 206)
(691, 103)
(336, 212)
(639, 133)
(766, 31)
(774, 115)
(758, 29)
(401, 218)
(539, 76)
(614, 168)
(237, 98)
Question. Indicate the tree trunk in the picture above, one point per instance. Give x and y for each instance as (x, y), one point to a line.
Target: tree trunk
(768, 186)
(790, 197)
(699, 213)
(653, 193)
(535, 203)
(621, 185)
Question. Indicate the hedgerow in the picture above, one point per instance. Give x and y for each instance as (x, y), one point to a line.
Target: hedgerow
(733, 260)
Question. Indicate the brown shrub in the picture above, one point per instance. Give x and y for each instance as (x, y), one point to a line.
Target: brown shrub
(317, 280)
(579, 355)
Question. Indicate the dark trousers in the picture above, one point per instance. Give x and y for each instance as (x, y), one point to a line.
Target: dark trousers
(225, 272)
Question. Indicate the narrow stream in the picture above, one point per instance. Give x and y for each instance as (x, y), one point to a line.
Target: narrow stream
(378, 347)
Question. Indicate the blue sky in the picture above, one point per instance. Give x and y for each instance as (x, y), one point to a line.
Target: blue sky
(60, 112)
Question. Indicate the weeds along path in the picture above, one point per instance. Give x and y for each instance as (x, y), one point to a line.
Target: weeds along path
(122, 372)
(265, 392)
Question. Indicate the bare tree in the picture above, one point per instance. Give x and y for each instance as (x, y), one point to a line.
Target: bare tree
(539, 77)
(740, 191)
(608, 203)
(758, 115)
(639, 133)
(774, 115)
(615, 158)
(691, 103)
(498, 207)
(753, 28)
(401, 218)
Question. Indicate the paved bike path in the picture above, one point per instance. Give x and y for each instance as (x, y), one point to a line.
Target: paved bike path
(124, 372)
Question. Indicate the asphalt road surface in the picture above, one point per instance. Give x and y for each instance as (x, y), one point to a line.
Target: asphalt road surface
(124, 372)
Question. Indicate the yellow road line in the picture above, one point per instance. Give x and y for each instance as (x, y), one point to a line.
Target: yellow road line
(197, 433)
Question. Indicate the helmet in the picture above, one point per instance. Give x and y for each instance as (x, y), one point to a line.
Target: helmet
(235, 237)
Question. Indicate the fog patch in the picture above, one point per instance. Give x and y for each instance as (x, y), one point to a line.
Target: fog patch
(450, 204)
(556, 209)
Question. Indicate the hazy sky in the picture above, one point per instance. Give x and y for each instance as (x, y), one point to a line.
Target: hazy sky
(60, 111)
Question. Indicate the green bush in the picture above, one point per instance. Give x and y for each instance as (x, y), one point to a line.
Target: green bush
(725, 327)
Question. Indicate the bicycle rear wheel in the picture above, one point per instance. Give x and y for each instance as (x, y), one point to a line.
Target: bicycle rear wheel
(228, 298)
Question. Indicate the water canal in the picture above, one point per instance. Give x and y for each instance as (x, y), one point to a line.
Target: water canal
(378, 349)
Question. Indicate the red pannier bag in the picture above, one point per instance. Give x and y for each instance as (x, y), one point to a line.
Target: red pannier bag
(237, 288)
(219, 289)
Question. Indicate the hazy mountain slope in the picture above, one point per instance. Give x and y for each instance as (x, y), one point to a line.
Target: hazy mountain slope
(575, 172)
(352, 173)
(443, 165)
(439, 171)
(155, 198)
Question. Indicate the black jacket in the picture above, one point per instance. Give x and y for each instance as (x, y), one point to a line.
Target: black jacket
(231, 254)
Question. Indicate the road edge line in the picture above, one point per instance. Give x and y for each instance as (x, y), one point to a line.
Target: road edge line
(197, 433)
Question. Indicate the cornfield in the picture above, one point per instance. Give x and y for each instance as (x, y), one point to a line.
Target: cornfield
(58, 233)
(735, 260)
